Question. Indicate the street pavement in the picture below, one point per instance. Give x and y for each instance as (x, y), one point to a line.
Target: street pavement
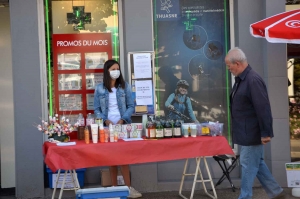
(258, 193)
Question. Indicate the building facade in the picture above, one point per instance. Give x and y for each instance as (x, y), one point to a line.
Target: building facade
(23, 60)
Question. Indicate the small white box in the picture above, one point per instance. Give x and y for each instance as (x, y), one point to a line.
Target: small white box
(293, 174)
(137, 129)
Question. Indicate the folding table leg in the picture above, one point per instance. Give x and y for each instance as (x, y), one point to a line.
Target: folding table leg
(198, 170)
(182, 178)
(56, 183)
(62, 185)
(76, 184)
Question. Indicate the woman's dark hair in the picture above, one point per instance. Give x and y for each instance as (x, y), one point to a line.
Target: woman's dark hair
(106, 76)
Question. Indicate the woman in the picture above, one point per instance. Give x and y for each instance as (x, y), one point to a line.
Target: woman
(114, 104)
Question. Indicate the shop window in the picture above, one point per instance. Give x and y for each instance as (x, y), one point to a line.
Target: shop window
(81, 36)
(191, 39)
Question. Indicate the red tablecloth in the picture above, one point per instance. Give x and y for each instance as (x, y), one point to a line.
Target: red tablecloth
(84, 155)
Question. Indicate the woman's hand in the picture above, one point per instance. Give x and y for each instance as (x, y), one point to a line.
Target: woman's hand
(107, 122)
(120, 122)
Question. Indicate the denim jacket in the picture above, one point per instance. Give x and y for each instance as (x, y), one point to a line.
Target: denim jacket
(124, 100)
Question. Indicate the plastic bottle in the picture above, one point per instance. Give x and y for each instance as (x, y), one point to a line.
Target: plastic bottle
(111, 133)
(80, 119)
(101, 134)
(86, 135)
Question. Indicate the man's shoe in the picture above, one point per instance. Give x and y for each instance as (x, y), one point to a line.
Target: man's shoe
(282, 195)
(134, 193)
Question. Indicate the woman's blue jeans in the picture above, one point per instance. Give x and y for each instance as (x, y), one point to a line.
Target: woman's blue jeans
(253, 165)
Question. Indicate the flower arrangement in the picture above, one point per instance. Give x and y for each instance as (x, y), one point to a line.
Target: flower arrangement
(57, 130)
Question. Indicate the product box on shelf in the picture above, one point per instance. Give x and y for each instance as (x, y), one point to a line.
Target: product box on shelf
(118, 129)
(137, 129)
(106, 180)
(69, 184)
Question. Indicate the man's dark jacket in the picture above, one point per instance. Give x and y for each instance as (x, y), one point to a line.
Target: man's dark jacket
(250, 110)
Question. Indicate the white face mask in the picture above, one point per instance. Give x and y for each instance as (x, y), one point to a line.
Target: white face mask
(114, 74)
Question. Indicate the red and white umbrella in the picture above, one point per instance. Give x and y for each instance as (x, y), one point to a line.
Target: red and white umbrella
(280, 28)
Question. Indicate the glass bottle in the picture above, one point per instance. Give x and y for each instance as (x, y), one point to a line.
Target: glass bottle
(159, 130)
(168, 129)
(80, 128)
(177, 129)
(150, 129)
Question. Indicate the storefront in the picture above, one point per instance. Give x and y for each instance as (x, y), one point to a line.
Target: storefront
(190, 48)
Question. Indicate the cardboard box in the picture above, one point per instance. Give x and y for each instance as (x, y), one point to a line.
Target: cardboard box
(68, 184)
(106, 180)
(293, 174)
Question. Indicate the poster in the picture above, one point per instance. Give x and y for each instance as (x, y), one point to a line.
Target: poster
(95, 60)
(93, 79)
(68, 61)
(142, 65)
(191, 42)
(70, 102)
(69, 82)
(144, 92)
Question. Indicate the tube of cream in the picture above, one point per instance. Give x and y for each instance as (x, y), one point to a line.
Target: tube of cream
(94, 128)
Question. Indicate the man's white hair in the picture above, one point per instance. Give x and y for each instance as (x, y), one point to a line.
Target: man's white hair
(236, 55)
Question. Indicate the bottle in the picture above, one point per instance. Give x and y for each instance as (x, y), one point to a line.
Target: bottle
(159, 130)
(80, 128)
(86, 135)
(101, 134)
(177, 129)
(150, 129)
(89, 121)
(111, 133)
(168, 129)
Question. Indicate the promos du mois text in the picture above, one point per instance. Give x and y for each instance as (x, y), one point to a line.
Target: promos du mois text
(83, 43)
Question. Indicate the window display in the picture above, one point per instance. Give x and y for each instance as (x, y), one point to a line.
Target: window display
(69, 82)
(191, 41)
(92, 79)
(95, 60)
(68, 61)
(70, 102)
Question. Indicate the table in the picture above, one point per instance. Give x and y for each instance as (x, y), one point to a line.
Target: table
(84, 155)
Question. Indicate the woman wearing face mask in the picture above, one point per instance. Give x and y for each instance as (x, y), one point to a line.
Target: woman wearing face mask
(113, 103)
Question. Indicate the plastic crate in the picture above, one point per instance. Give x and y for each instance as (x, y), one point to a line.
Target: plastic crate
(52, 178)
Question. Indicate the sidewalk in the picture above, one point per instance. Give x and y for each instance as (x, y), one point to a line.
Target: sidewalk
(258, 193)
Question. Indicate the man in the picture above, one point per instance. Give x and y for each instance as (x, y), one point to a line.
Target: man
(251, 124)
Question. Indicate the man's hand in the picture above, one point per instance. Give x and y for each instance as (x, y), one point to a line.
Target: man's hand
(265, 140)
(171, 107)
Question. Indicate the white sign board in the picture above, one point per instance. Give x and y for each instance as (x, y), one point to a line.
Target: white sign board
(142, 65)
(144, 92)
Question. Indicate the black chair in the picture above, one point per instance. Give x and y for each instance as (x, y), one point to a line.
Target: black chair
(226, 170)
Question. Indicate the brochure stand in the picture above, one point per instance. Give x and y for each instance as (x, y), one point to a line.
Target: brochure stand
(141, 75)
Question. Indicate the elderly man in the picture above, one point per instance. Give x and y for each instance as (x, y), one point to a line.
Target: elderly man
(251, 124)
